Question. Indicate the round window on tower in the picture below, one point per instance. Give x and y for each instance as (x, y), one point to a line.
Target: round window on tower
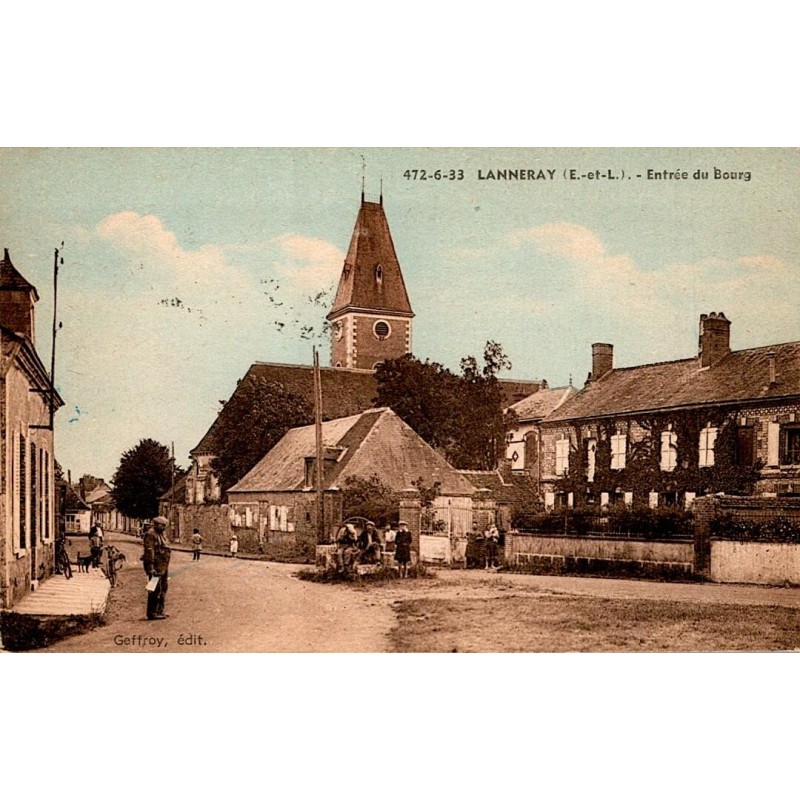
(381, 329)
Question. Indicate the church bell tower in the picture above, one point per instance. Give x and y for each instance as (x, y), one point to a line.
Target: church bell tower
(371, 315)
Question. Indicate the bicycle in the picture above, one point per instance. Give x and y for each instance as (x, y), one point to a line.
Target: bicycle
(63, 565)
(114, 561)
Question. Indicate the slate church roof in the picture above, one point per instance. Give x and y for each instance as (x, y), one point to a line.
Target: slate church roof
(371, 248)
(344, 392)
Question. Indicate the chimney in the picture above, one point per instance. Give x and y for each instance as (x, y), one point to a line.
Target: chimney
(715, 338)
(772, 375)
(602, 359)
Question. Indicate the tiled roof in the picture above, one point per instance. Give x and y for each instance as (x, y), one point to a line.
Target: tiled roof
(344, 392)
(99, 494)
(375, 442)
(370, 246)
(543, 402)
(11, 279)
(740, 376)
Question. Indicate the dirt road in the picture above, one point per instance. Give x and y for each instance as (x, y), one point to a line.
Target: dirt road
(237, 605)
(234, 605)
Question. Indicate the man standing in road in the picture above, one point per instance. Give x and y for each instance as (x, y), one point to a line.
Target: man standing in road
(156, 565)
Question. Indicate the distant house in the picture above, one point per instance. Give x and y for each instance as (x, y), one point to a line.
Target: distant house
(100, 499)
(522, 447)
(27, 461)
(278, 498)
(77, 513)
(662, 434)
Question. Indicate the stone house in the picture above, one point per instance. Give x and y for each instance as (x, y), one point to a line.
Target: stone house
(277, 498)
(522, 446)
(662, 434)
(27, 461)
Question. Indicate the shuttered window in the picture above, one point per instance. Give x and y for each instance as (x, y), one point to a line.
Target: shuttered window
(619, 444)
(591, 460)
(708, 437)
(34, 494)
(562, 456)
(22, 492)
(790, 445)
(669, 451)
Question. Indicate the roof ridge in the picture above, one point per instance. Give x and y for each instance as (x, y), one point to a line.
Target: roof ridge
(308, 366)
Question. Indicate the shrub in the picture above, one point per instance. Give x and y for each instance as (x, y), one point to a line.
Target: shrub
(775, 529)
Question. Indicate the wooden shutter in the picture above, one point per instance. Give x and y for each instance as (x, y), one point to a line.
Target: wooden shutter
(773, 444)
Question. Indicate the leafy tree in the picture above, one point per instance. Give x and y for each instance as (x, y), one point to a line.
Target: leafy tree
(461, 415)
(143, 475)
(370, 498)
(251, 423)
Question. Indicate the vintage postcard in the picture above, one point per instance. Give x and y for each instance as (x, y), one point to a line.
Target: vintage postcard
(400, 400)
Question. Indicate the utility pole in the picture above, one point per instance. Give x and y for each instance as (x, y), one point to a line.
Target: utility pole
(57, 259)
(321, 538)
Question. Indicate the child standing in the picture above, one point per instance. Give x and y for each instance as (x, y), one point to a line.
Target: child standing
(197, 545)
(234, 545)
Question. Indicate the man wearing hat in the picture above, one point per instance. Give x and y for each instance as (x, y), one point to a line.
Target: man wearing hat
(156, 565)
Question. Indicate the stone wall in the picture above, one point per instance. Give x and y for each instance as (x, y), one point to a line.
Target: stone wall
(599, 555)
(722, 559)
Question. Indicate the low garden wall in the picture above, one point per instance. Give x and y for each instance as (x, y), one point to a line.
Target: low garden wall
(748, 539)
(599, 555)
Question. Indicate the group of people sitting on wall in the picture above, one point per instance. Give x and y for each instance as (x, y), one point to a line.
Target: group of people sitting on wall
(366, 545)
(483, 547)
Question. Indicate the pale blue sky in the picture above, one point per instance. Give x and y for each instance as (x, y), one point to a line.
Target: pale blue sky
(545, 267)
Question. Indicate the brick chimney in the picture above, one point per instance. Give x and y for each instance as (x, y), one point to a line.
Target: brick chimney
(602, 360)
(715, 338)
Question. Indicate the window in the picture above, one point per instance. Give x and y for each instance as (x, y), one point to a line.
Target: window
(47, 478)
(790, 444)
(591, 453)
(22, 493)
(382, 329)
(619, 444)
(379, 274)
(708, 436)
(562, 456)
(669, 451)
(746, 446)
(34, 495)
(279, 518)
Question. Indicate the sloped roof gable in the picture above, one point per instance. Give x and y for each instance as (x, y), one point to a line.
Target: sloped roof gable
(375, 442)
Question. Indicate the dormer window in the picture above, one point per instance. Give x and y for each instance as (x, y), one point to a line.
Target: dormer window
(379, 274)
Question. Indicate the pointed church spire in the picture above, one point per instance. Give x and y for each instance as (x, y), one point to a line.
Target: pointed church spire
(372, 253)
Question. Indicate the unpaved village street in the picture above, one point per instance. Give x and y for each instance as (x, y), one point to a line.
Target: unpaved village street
(222, 604)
